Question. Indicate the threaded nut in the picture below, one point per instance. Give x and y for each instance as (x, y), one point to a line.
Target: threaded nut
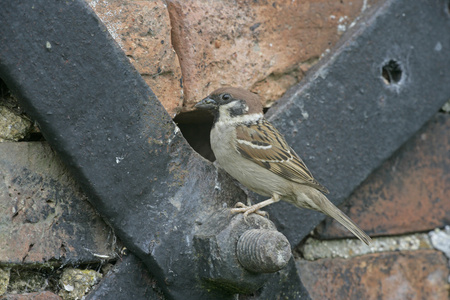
(263, 251)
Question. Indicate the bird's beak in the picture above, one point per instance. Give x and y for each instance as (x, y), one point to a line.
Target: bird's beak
(207, 103)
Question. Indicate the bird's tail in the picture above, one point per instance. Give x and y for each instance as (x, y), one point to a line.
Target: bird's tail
(331, 210)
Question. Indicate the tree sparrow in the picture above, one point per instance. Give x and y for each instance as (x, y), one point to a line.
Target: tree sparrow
(252, 151)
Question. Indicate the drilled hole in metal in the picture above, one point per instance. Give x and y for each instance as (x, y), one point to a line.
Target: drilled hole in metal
(391, 72)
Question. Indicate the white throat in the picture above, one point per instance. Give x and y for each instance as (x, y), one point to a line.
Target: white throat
(242, 119)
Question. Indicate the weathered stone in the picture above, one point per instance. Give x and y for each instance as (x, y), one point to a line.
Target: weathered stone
(75, 283)
(24, 280)
(409, 193)
(4, 280)
(393, 275)
(142, 29)
(44, 216)
(46, 295)
(314, 249)
(12, 126)
(258, 45)
(440, 239)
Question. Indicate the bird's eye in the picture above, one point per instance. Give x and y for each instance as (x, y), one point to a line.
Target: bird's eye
(226, 97)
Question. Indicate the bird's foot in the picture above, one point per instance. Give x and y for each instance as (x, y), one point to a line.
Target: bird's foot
(247, 210)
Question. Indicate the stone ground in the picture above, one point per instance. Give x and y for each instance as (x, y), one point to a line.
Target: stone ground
(54, 246)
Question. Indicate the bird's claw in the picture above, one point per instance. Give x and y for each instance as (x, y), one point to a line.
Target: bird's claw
(247, 210)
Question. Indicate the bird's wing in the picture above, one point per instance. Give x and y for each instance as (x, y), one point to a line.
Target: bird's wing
(264, 145)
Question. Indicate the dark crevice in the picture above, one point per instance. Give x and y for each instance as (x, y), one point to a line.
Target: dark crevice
(195, 127)
(8, 100)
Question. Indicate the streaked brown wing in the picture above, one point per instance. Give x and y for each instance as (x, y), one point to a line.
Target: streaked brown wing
(264, 145)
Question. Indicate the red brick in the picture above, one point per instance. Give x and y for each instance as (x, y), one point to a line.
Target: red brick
(260, 45)
(43, 214)
(409, 193)
(395, 275)
(32, 296)
(142, 29)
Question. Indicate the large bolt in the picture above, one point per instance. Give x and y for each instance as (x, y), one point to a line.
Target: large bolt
(237, 254)
(263, 251)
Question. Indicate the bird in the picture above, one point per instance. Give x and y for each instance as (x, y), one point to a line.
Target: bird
(256, 154)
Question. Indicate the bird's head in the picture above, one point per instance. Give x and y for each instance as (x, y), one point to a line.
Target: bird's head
(229, 103)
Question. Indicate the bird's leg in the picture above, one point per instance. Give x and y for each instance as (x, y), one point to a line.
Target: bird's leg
(255, 208)
(249, 201)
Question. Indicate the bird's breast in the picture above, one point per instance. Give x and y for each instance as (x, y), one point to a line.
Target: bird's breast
(250, 174)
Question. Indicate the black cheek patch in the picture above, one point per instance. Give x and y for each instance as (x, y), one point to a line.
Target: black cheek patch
(238, 110)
